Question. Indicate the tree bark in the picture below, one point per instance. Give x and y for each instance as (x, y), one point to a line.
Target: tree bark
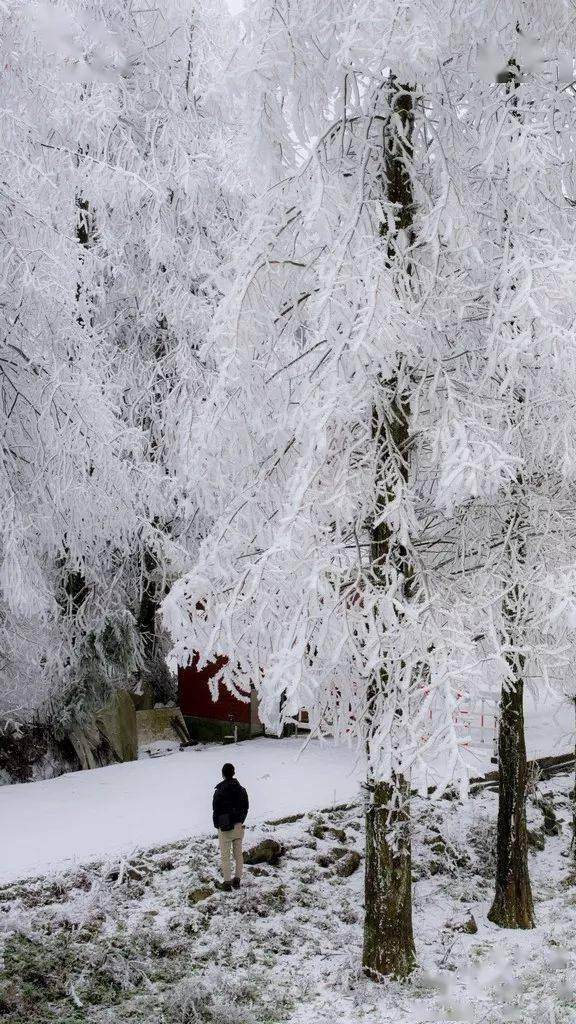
(388, 939)
(512, 906)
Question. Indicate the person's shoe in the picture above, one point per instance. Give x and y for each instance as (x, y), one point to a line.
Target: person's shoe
(235, 883)
(227, 886)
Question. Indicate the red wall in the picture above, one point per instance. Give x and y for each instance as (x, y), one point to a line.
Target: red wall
(195, 699)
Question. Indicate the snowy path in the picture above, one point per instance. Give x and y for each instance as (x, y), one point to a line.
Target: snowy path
(86, 816)
(93, 815)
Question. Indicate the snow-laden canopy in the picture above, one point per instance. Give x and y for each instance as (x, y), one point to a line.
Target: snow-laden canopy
(388, 450)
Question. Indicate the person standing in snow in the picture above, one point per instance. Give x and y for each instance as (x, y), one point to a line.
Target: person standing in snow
(229, 810)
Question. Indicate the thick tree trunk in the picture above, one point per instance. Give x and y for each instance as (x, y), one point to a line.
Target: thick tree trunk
(388, 940)
(512, 906)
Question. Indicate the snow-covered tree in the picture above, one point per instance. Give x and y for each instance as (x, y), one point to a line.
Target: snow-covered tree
(361, 451)
(516, 166)
(68, 462)
(118, 206)
(165, 219)
(332, 360)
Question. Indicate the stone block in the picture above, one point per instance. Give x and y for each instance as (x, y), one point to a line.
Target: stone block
(117, 723)
(160, 724)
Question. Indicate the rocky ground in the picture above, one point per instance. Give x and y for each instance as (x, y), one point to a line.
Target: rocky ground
(155, 940)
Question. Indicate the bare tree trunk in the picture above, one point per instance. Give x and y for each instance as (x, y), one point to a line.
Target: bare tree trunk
(512, 906)
(388, 938)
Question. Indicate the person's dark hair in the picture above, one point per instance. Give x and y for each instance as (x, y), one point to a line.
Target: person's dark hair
(228, 771)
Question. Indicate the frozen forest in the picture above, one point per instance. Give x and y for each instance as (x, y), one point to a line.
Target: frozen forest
(288, 378)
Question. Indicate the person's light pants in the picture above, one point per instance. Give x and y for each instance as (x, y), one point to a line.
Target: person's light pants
(231, 845)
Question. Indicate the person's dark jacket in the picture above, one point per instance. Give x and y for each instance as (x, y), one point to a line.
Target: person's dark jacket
(230, 804)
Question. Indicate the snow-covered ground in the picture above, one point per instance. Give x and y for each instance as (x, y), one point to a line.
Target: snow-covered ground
(86, 816)
(155, 941)
(90, 815)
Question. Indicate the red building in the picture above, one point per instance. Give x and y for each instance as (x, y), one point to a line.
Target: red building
(208, 719)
